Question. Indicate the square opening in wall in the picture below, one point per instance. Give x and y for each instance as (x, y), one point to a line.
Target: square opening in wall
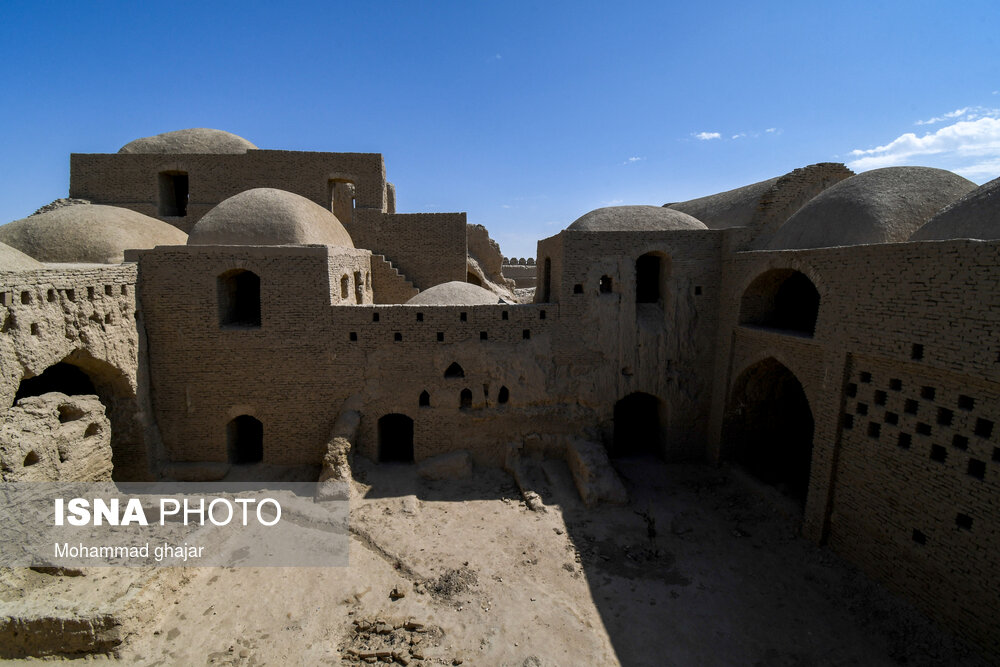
(25, 298)
(852, 390)
(984, 428)
(960, 442)
(440, 336)
(397, 337)
(996, 454)
(463, 317)
(541, 314)
(910, 406)
(866, 378)
(904, 440)
(51, 295)
(874, 429)
(923, 429)
(482, 335)
(880, 397)
(927, 393)
(919, 537)
(917, 352)
(374, 317)
(966, 403)
(578, 289)
(945, 416)
(503, 315)
(848, 421)
(697, 290)
(938, 453)
(896, 384)
(891, 418)
(963, 521)
(526, 334)
(353, 336)
(862, 409)
(976, 468)
(420, 317)
(108, 291)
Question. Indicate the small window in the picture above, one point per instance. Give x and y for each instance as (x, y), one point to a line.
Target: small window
(465, 399)
(928, 393)
(910, 407)
(51, 295)
(848, 421)
(996, 454)
(124, 290)
(960, 442)
(454, 371)
(862, 409)
(420, 317)
(966, 403)
(239, 299)
(359, 288)
(874, 429)
(345, 286)
(173, 187)
(917, 352)
(26, 297)
(904, 440)
(463, 317)
(440, 336)
(919, 537)
(945, 416)
(852, 390)
(697, 290)
(526, 334)
(90, 293)
(648, 274)
(866, 378)
(938, 453)
(963, 521)
(108, 291)
(976, 468)
(71, 294)
(483, 335)
(896, 384)
(503, 396)
(425, 399)
(578, 289)
(880, 397)
(504, 315)
(923, 429)
(606, 285)
(353, 336)
(541, 314)
(984, 428)
(397, 337)
(34, 328)
(374, 317)
(891, 418)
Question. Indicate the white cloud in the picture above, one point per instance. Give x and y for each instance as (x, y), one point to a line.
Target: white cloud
(943, 117)
(771, 130)
(633, 160)
(707, 136)
(967, 147)
(739, 136)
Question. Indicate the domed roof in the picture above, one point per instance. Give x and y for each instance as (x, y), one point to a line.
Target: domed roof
(266, 216)
(974, 216)
(12, 259)
(732, 208)
(879, 206)
(87, 233)
(635, 219)
(455, 293)
(194, 140)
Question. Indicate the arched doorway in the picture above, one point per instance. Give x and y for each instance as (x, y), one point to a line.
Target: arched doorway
(639, 421)
(245, 440)
(782, 299)
(395, 439)
(769, 428)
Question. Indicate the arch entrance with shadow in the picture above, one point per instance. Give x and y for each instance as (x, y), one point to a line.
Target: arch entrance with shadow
(769, 428)
(245, 440)
(395, 439)
(639, 426)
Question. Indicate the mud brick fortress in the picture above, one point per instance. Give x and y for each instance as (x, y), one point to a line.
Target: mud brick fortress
(835, 335)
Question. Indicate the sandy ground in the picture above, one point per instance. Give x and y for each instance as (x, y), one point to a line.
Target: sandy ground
(703, 567)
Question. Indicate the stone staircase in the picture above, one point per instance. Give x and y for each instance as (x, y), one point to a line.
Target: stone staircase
(389, 285)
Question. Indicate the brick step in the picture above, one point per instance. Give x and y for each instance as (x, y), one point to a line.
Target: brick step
(389, 283)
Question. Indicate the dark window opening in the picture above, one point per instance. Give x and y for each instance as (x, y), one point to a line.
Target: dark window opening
(173, 194)
(526, 334)
(90, 294)
(547, 281)
(862, 409)
(880, 397)
(996, 454)
(919, 537)
(35, 331)
(395, 439)
(397, 337)
(923, 429)
(71, 294)
(504, 315)
(938, 453)
(606, 284)
(891, 418)
(848, 421)
(874, 429)
(26, 297)
(639, 425)
(454, 371)
(910, 407)
(62, 377)
(463, 317)
(852, 390)
(781, 299)
(648, 274)
(966, 403)
(483, 335)
(896, 385)
(963, 521)
(465, 399)
(917, 352)
(770, 425)
(374, 317)
(865, 377)
(239, 299)
(440, 336)
(945, 416)
(976, 468)
(904, 440)
(984, 428)
(960, 442)
(345, 285)
(108, 290)
(425, 399)
(928, 393)
(353, 336)
(503, 396)
(245, 440)
(541, 314)
(51, 295)
(578, 289)
(420, 317)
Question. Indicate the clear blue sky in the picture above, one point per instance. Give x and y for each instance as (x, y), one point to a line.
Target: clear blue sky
(525, 115)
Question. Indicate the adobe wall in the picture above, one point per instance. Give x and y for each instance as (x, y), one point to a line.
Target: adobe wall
(428, 248)
(84, 315)
(664, 350)
(902, 442)
(131, 180)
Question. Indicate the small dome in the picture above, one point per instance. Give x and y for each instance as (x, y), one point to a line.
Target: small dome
(194, 140)
(974, 216)
(635, 219)
(87, 233)
(266, 216)
(455, 293)
(878, 206)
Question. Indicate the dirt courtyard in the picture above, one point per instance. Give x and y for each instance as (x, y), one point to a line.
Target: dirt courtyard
(703, 567)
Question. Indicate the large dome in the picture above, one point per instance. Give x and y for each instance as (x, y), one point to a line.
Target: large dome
(635, 219)
(266, 216)
(974, 216)
(878, 206)
(455, 293)
(12, 259)
(194, 140)
(732, 208)
(87, 233)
